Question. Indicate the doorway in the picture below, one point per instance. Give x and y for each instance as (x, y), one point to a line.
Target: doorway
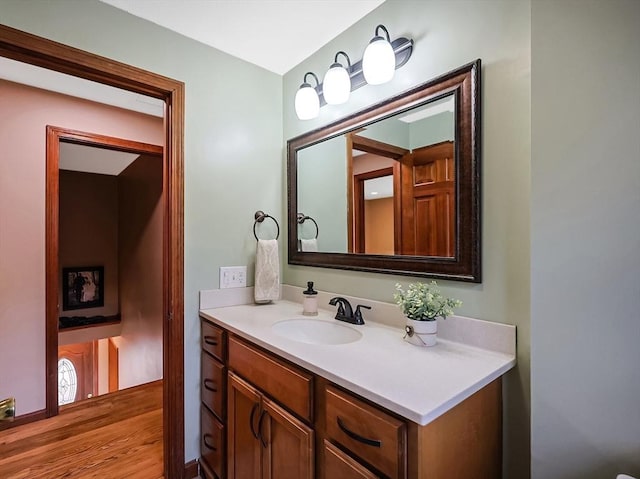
(41, 52)
(110, 210)
(375, 202)
(374, 195)
(77, 372)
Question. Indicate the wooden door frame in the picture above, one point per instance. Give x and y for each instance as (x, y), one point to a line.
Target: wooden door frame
(359, 206)
(27, 48)
(379, 148)
(55, 136)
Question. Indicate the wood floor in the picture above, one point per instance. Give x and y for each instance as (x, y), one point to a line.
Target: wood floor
(109, 437)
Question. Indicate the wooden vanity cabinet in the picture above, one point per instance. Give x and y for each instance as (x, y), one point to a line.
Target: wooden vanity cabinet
(265, 441)
(213, 397)
(338, 464)
(367, 432)
(282, 422)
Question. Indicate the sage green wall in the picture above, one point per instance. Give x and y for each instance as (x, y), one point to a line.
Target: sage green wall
(434, 129)
(585, 239)
(448, 34)
(322, 193)
(233, 143)
(392, 132)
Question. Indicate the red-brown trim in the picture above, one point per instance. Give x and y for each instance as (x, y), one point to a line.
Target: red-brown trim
(56, 135)
(358, 205)
(378, 148)
(350, 193)
(191, 469)
(39, 51)
(94, 366)
(24, 419)
(52, 286)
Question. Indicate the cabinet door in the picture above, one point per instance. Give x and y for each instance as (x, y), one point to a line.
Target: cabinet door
(212, 385)
(287, 443)
(366, 431)
(243, 445)
(211, 444)
(339, 465)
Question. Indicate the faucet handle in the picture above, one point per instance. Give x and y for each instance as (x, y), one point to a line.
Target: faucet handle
(358, 314)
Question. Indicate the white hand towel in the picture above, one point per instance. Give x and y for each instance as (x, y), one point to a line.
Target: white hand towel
(267, 280)
(309, 244)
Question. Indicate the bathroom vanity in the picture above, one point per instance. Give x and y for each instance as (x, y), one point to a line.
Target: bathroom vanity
(280, 405)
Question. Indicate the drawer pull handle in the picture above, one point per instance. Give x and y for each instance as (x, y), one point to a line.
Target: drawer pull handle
(358, 437)
(253, 411)
(205, 439)
(211, 340)
(209, 384)
(262, 415)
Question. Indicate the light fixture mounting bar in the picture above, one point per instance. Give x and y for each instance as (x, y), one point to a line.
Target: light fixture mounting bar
(402, 48)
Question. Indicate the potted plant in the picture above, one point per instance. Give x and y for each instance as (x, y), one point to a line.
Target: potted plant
(423, 304)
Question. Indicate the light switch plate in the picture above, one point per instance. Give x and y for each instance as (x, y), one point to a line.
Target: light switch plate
(233, 277)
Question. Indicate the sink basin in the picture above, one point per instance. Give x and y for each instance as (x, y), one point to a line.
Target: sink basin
(316, 331)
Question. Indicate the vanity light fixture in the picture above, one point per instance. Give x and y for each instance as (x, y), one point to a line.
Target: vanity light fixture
(307, 101)
(337, 82)
(381, 58)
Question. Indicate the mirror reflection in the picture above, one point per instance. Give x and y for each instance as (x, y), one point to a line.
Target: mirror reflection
(387, 188)
(393, 188)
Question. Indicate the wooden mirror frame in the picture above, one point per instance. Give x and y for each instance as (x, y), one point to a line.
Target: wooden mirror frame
(464, 83)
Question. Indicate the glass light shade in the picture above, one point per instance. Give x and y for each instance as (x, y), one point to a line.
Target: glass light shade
(307, 102)
(336, 86)
(378, 62)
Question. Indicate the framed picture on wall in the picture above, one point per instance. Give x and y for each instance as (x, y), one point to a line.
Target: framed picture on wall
(82, 287)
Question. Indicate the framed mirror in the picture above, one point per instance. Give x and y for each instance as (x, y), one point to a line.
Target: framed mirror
(394, 188)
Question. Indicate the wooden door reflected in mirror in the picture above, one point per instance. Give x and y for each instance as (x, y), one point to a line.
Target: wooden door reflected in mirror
(426, 143)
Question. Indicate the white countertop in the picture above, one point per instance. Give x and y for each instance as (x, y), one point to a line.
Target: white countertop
(417, 383)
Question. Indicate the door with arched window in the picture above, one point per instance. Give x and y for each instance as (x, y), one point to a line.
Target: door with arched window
(77, 372)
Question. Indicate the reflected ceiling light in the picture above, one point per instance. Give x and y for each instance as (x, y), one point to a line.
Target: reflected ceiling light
(379, 60)
(336, 85)
(307, 102)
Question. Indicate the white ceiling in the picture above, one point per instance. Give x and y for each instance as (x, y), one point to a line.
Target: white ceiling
(273, 34)
(37, 77)
(430, 109)
(377, 188)
(94, 160)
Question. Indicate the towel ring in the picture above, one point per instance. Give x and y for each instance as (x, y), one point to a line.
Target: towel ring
(302, 218)
(259, 218)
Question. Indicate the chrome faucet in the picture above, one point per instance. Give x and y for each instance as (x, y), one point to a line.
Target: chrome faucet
(345, 311)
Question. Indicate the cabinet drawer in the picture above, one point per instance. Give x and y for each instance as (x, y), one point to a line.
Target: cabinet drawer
(212, 340)
(337, 464)
(290, 386)
(368, 432)
(212, 387)
(211, 442)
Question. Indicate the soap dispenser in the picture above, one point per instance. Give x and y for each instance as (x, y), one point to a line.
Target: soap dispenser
(310, 304)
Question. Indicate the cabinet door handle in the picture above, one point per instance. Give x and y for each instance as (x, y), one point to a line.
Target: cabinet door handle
(210, 385)
(358, 437)
(253, 411)
(211, 340)
(262, 416)
(205, 439)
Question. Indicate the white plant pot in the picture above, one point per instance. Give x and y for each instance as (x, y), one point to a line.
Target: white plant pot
(421, 333)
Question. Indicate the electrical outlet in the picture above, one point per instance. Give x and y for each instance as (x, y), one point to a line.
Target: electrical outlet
(233, 277)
